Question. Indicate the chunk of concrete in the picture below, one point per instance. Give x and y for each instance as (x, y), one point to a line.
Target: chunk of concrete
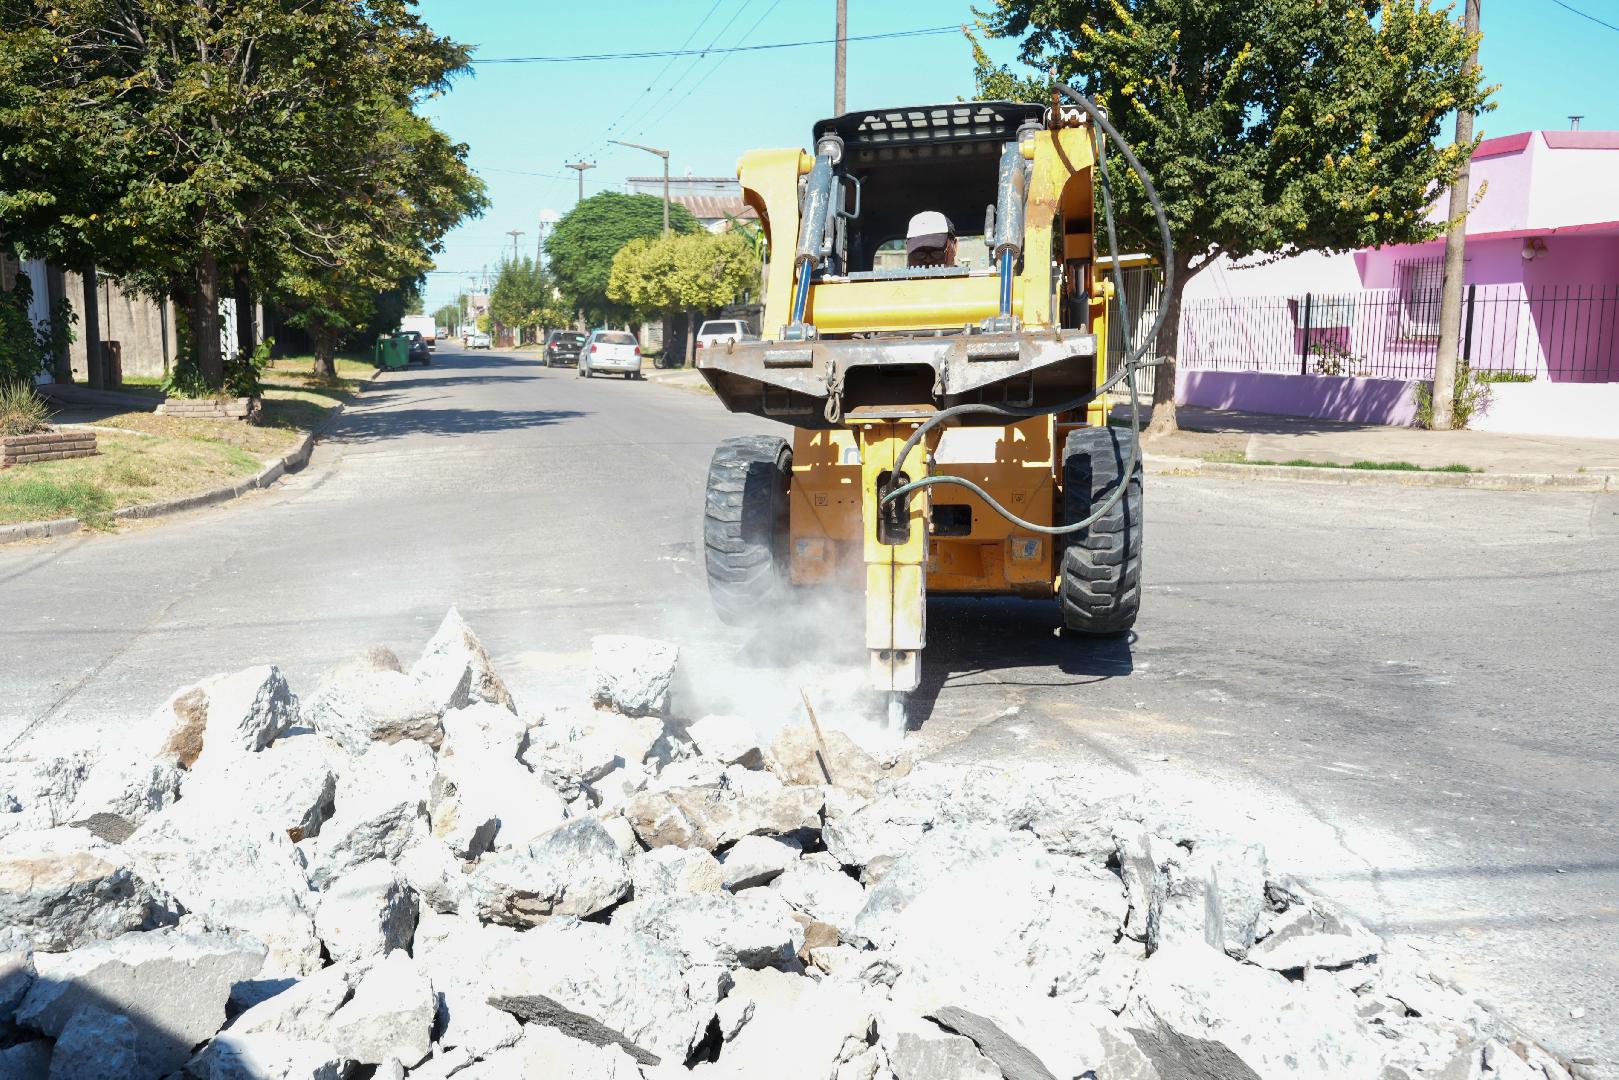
(478, 786)
(128, 785)
(799, 756)
(887, 828)
(607, 986)
(16, 976)
(1196, 1013)
(96, 1045)
(713, 815)
(437, 875)
(576, 869)
(292, 785)
(223, 715)
(235, 876)
(757, 860)
(777, 1042)
(357, 706)
(233, 1055)
(302, 1011)
(547, 1052)
(390, 1015)
(367, 911)
(30, 1060)
(61, 888)
(919, 1049)
(1314, 935)
(752, 930)
(38, 793)
(484, 728)
(674, 871)
(730, 740)
(172, 983)
(381, 807)
(455, 669)
(632, 675)
(825, 895)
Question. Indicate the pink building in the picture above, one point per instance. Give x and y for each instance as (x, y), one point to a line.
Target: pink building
(1347, 336)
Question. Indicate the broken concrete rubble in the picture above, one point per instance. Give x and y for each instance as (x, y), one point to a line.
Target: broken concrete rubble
(632, 675)
(172, 983)
(61, 888)
(455, 671)
(460, 889)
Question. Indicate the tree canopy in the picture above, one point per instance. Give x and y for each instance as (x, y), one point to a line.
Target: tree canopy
(525, 296)
(201, 146)
(1268, 126)
(582, 245)
(697, 271)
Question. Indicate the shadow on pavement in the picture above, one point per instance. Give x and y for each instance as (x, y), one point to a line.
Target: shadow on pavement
(970, 637)
(375, 425)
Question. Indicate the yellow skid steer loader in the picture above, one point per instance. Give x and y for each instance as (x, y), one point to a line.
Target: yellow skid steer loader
(947, 393)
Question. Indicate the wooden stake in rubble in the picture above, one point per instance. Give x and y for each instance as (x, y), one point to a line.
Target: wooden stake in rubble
(823, 753)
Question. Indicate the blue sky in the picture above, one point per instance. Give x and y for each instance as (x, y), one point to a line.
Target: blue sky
(524, 122)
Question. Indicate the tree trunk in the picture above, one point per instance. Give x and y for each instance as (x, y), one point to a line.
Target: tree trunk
(1168, 344)
(92, 330)
(324, 340)
(55, 293)
(205, 323)
(691, 339)
(243, 292)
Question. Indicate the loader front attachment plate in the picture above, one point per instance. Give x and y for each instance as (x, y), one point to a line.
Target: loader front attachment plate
(826, 383)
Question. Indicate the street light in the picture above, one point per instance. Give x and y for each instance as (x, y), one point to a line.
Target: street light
(664, 154)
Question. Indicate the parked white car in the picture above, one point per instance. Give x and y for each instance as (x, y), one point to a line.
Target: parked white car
(721, 332)
(612, 352)
(476, 340)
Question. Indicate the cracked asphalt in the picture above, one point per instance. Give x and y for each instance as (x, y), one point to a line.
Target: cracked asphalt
(1414, 690)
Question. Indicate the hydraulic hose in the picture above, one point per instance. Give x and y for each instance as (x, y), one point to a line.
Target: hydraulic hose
(1134, 351)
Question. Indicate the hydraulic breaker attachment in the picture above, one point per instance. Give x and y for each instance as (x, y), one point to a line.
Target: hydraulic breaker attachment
(895, 548)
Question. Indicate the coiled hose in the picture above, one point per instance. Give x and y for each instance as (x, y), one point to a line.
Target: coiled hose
(1134, 351)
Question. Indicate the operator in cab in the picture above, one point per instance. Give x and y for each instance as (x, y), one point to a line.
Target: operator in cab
(930, 240)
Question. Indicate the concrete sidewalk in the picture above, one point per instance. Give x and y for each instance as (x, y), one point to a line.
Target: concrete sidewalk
(1237, 436)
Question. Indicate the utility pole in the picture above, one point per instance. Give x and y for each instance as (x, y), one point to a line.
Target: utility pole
(580, 167)
(840, 65)
(664, 154)
(1450, 302)
(514, 234)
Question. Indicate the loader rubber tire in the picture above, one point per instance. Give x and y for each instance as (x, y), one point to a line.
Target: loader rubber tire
(1101, 565)
(745, 527)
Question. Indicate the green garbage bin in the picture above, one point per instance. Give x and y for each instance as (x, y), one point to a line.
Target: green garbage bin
(392, 352)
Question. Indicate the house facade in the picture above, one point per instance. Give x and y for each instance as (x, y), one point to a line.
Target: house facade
(712, 200)
(1540, 305)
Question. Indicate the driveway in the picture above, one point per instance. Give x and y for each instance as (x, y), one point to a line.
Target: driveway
(1414, 687)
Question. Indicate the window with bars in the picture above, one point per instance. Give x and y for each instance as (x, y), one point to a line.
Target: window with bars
(1420, 285)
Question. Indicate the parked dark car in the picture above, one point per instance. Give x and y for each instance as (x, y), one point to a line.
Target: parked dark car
(420, 351)
(562, 347)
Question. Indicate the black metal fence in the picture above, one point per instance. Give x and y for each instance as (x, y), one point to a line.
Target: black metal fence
(1559, 333)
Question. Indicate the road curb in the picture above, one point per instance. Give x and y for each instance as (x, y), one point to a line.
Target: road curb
(1160, 465)
(272, 471)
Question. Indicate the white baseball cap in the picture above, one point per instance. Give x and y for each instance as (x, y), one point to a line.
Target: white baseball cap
(929, 229)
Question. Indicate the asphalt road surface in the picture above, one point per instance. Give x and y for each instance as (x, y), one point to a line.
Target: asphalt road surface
(1413, 689)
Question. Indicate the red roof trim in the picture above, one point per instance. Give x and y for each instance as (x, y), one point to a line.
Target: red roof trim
(1505, 144)
(1582, 140)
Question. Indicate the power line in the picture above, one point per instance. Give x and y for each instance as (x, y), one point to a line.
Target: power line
(697, 60)
(621, 117)
(1584, 15)
(592, 57)
(726, 56)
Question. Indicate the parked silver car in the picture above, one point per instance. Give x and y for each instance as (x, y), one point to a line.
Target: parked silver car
(613, 352)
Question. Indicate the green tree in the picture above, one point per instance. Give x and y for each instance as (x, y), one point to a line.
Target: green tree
(198, 146)
(525, 297)
(695, 272)
(583, 243)
(1269, 127)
